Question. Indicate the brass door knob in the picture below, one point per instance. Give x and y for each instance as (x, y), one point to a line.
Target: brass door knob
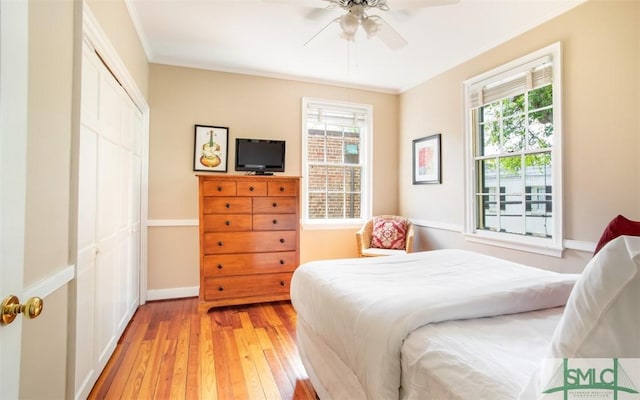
(11, 307)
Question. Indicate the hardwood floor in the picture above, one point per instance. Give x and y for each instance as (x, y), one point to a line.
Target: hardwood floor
(169, 351)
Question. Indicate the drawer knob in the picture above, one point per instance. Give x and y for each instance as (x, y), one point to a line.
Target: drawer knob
(220, 288)
(219, 188)
(281, 262)
(283, 283)
(275, 221)
(281, 189)
(227, 223)
(282, 240)
(228, 205)
(220, 243)
(275, 204)
(251, 188)
(219, 266)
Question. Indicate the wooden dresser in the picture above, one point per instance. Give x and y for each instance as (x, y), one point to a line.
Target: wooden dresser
(249, 238)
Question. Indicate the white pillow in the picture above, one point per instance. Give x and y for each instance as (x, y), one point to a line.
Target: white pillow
(602, 315)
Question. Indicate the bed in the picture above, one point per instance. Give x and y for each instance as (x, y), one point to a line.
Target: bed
(453, 324)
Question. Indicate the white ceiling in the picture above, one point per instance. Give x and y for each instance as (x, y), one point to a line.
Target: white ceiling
(266, 37)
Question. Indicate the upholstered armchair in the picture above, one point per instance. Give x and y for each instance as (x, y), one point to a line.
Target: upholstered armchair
(385, 235)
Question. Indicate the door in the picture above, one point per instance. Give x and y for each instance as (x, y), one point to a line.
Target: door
(109, 200)
(13, 139)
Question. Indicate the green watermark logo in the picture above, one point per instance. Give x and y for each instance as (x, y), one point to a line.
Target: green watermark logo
(594, 378)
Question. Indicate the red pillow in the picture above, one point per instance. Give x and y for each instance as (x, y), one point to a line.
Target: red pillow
(618, 226)
(389, 233)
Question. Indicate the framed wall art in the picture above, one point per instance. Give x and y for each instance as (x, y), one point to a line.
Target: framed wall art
(427, 162)
(211, 148)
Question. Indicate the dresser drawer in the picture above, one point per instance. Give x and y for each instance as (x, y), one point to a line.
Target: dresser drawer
(271, 205)
(246, 286)
(227, 222)
(249, 263)
(226, 205)
(248, 242)
(252, 188)
(275, 222)
(218, 188)
(283, 188)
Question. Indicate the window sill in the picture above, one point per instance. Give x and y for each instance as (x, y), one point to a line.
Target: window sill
(317, 226)
(515, 242)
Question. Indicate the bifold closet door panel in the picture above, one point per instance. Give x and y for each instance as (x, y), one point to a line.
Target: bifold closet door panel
(108, 220)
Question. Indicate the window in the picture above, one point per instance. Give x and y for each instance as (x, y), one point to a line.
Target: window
(336, 155)
(490, 200)
(537, 200)
(513, 176)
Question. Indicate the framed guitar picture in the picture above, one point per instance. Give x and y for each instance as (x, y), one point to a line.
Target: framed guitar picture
(211, 148)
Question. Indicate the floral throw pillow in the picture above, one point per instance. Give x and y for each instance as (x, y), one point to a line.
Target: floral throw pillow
(388, 233)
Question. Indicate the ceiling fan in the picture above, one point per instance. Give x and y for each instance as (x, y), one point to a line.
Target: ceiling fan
(373, 25)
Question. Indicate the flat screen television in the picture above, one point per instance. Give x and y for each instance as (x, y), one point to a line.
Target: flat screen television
(262, 156)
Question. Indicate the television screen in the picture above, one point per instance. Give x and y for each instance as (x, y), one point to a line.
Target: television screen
(260, 155)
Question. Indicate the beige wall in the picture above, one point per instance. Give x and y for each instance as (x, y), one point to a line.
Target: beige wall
(601, 128)
(49, 205)
(596, 37)
(44, 343)
(113, 17)
(252, 107)
(601, 143)
(49, 138)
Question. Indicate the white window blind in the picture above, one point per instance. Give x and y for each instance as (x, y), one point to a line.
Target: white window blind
(533, 75)
(325, 113)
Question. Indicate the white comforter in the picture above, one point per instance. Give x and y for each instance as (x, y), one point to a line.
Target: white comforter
(364, 308)
(482, 358)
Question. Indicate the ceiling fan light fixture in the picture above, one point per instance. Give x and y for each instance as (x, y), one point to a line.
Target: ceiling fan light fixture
(349, 24)
(374, 25)
(349, 37)
(370, 27)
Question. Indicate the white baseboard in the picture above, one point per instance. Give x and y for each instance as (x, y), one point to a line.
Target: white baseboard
(579, 245)
(172, 222)
(173, 293)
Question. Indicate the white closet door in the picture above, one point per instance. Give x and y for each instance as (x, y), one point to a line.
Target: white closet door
(134, 212)
(85, 365)
(108, 204)
(107, 290)
(128, 237)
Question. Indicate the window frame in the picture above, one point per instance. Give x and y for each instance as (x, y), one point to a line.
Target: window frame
(366, 151)
(548, 246)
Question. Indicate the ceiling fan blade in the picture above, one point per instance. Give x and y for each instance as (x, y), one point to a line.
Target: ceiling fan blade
(307, 3)
(389, 36)
(317, 13)
(321, 30)
(318, 8)
(408, 5)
